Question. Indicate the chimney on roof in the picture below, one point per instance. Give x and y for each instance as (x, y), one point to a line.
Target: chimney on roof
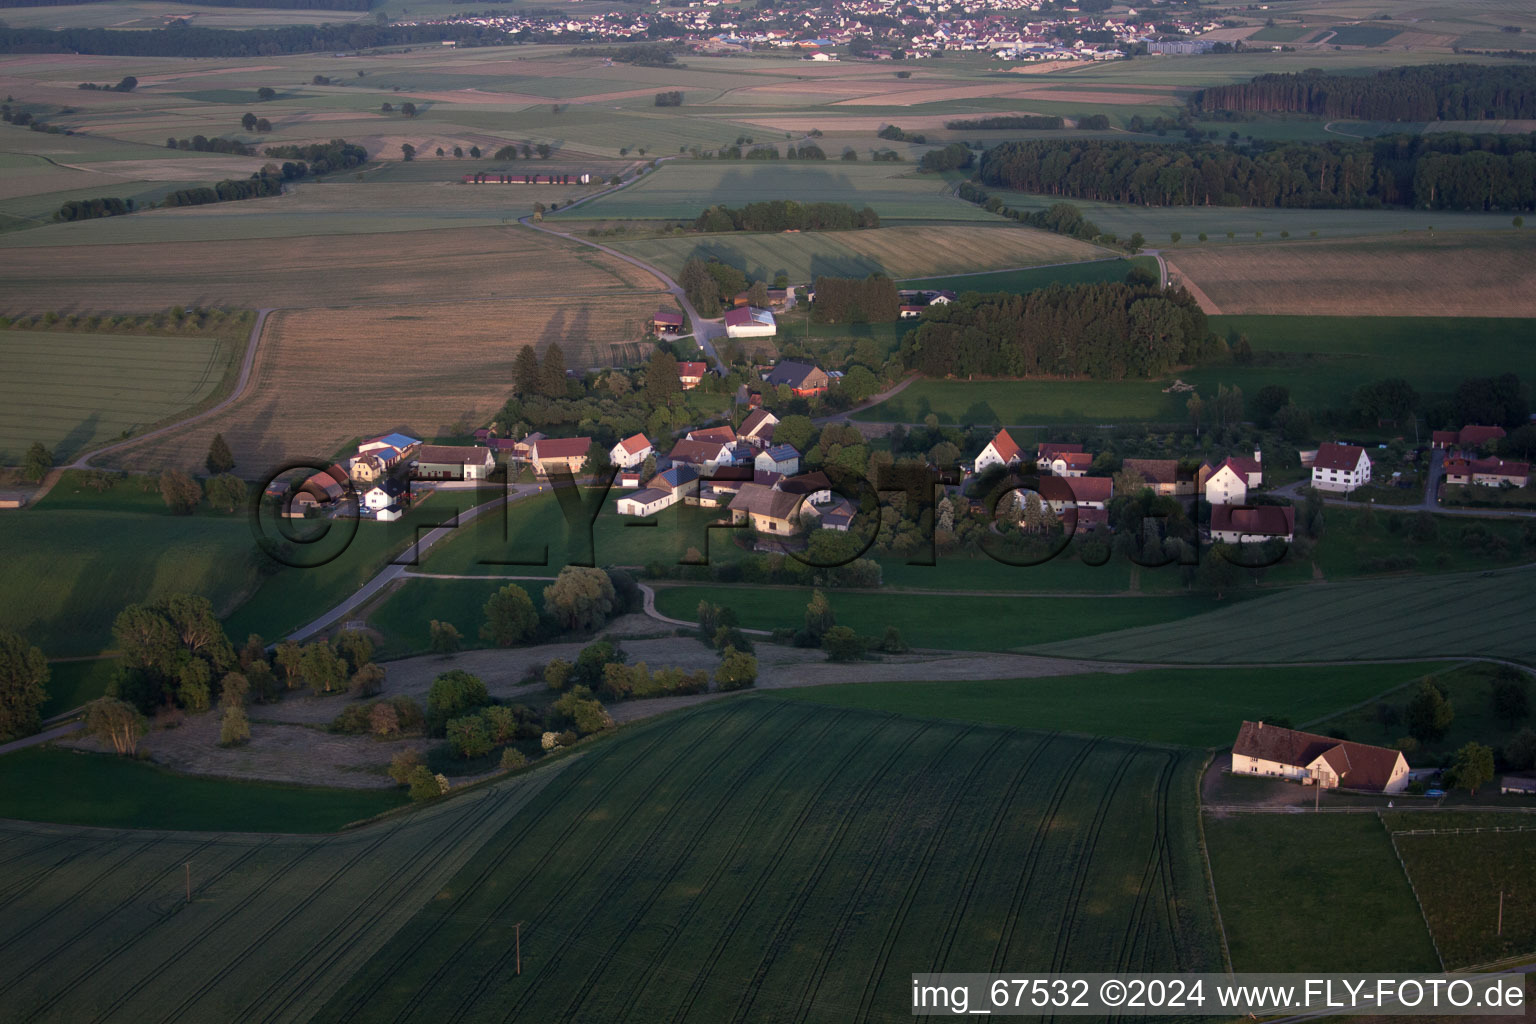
(1258, 456)
(1261, 724)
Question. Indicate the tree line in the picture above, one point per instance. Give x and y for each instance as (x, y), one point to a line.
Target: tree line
(323, 157)
(1432, 92)
(90, 209)
(1032, 122)
(1104, 331)
(203, 144)
(1438, 172)
(230, 189)
(182, 40)
(786, 215)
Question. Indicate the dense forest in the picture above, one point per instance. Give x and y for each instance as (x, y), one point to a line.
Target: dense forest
(1433, 92)
(1104, 331)
(786, 215)
(1436, 172)
(182, 40)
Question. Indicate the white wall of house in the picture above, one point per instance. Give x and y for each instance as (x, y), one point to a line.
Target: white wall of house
(1341, 480)
(625, 459)
(988, 457)
(1226, 487)
(630, 507)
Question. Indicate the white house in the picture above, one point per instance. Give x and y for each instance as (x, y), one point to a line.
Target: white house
(1000, 451)
(453, 462)
(1229, 484)
(1340, 468)
(757, 428)
(630, 452)
(647, 502)
(383, 495)
(1317, 760)
(780, 458)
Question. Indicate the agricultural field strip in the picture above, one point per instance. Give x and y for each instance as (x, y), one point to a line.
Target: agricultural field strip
(810, 869)
(356, 912)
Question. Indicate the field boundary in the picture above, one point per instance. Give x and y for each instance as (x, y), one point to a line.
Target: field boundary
(1205, 859)
(1392, 838)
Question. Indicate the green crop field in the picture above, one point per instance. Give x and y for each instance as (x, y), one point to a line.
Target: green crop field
(1465, 615)
(715, 864)
(1459, 877)
(98, 925)
(1189, 707)
(1361, 35)
(1323, 360)
(1086, 272)
(968, 623)
(71, 391)
(1277, 875)
(682, 189)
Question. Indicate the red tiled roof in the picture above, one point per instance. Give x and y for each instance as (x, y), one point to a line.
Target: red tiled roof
(1479, 435)
(1243, 466)
(722, 435)
(1050, 449)
(755, 421)
(667, 316)
(696, 452)
(1343, 457)
(561, 447)
(1494, 467)
(1006, 448)
(635, 445)
(1091, 488)
(1443, 437)
(1260, 520)
(1154, 471)
(1359, 765)
(692, 369)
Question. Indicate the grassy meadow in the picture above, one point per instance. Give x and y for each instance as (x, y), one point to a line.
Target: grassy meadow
(404, 615)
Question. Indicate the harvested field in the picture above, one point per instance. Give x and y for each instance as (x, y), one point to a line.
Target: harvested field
(463, 263)
(322, 375)
(899, 252)
(1452, 275)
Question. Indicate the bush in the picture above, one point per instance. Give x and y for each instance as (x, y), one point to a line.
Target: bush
(892, 643)
(737, 670)
(579, 709)
(367, 681)
(468, 737)
(425, 785)
(568, 738)
(452, 694)
(842, 644)
(235, 729)
(512, 759)
(383, 720)
(557, 674)
(403, 764)
(549, 741)
(501, 723)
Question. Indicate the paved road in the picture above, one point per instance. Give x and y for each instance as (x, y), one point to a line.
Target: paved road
(1428, 501)
(58, 732)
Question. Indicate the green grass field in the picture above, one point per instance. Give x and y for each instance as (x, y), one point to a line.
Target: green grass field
(1323, 360)
(72, 683)
(98, 922)
(1459, 878)
(682, 189)
(968, 623)
(1189, 707)
(71, 391)
(403, 616)
(713, 864)
(1463, 615)
(1278, 875)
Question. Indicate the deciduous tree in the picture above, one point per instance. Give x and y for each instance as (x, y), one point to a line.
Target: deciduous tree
(23, 686)
(116, 722)
(37, 462)
(510, 617)
(581, 598)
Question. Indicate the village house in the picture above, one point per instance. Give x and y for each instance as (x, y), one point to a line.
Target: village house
(559, 454)
(835, 515)
(1467, 437)
(1000, 451)
(1340, 468)
(803, 379)
(1229, 483)
(690, 374)
(723, 434)
(1058, 459)
(453, 462)
(630, 452)
(702, 456)
(1317, 760)
(367, 468)
(1080, 493)
(1163, 476)
(1252, 524)
(815, 488)
(667, 321)
(1490, 472)
(767, 509)
(757, 428)
(781, 458)
(523, 449)
(383, 495)
(681, 481)
(749, 322)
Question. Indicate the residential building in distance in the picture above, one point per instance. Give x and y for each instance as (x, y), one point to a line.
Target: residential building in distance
(757, 428)
(453, 462)
(1059, 459)
(1086, 492)
(780, 458)
(1164, 476)
(723, 434)
(1317, 760)
(1490, 472)
(767, 509)
(1470, 436)
(804, 379)
(690, 374)
(1002, 450)
(630, 452)
(748, 322)
(1252, 524)
(557, 454)
(702, 456)
(1340, 468)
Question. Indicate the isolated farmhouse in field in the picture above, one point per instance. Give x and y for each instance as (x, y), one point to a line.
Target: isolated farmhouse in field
(1317, 760)
(1340, 468)
(630, 452)
(453, 462)
(1002, 450)
(559, 454)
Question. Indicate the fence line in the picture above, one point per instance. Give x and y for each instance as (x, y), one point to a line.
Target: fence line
(1392, 838)
(1464, 831)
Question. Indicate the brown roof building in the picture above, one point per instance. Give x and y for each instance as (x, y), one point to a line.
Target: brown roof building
(1321, 760)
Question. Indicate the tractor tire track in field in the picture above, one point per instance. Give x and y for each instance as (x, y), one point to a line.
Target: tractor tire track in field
(631, 999)
(410, 1006)
(128, 942)
(728, 930)
(774, 948)
(270, 1006)
(554, 902)
(1084, 860)
(744, 773)
(1151, 875)
(1032, 855)
(23, 885)
(935, 839)
(855, 898)
(57, 949)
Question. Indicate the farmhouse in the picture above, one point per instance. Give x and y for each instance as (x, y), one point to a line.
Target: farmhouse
(1252, 524)
(1000, 451)
(712, 435)
(323, 487)
(453, 462)
(804, 379)
(1229, 484)
(630, 452)
(1163, 476)
(557, 454)
(1340, 468)
(1317, 760)
(384, 495)
(748, 322)
(838, 515)
(767, 509)
(1489, 472)
(1082, 493)
(702, 456)
(1467, 437)
(647, 502)
(781, 458)
(813, 487)
(690, 374)
(757, 428)
(667, 321)
(1063, 459)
